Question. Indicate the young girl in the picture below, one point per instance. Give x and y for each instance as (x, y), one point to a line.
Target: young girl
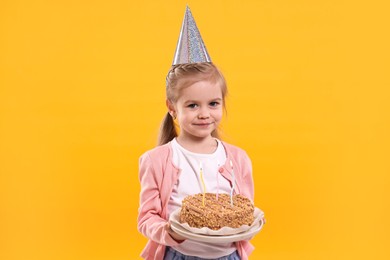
(195, 98)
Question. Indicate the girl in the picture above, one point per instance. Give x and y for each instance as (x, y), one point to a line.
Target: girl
(195, 98)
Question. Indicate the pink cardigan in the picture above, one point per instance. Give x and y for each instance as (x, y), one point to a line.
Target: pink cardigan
(158, 175)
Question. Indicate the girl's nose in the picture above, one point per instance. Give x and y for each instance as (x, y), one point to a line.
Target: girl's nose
(203, 114)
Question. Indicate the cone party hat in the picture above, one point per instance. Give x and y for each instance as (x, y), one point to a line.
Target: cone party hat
(190, 47)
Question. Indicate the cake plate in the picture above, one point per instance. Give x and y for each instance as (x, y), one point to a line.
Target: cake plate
(225, 235)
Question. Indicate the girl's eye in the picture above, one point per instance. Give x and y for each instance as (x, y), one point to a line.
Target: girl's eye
(192, 105)
(214, 104)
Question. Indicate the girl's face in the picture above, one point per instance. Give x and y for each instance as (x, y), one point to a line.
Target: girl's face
(199, 110)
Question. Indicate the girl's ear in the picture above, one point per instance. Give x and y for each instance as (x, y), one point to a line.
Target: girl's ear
(171, 108)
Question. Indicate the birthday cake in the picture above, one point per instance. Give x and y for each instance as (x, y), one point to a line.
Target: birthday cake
(216, 212)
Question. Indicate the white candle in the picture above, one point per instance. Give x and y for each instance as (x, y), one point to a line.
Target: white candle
(217, 180)
(233, 183)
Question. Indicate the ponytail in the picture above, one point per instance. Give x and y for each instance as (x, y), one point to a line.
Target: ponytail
(167, 130)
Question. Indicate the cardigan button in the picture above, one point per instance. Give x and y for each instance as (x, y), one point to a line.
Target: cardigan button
(221, 170)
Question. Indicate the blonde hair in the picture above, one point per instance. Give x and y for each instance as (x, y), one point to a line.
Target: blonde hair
(181, 76)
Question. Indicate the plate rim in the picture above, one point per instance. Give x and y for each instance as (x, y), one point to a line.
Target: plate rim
(218, 239)
(174, 218)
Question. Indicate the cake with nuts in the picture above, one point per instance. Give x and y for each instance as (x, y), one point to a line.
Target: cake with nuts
(216, 213)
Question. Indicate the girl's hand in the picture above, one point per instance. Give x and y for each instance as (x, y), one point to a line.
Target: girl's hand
(173, 234)
(263, 220)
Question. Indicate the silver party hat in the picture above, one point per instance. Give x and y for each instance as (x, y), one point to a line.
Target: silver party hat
(190, 47)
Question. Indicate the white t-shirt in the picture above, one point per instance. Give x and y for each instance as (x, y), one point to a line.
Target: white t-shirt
(190, 183)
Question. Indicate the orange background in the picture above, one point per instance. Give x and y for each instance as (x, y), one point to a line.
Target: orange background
(82, 96)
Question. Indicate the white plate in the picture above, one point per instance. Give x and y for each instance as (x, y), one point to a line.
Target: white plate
(175, 218)
(218, 239)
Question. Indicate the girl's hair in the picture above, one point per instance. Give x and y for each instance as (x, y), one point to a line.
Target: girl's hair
(184, 75)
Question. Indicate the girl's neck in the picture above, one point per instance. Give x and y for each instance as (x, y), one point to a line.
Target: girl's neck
(206, 145)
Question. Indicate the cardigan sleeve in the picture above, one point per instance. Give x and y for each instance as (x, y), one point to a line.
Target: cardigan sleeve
(243, 162)
(248, 176)
(150, 222)
(245, 248)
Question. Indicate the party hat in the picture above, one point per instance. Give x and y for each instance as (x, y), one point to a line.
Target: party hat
(190, 47)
